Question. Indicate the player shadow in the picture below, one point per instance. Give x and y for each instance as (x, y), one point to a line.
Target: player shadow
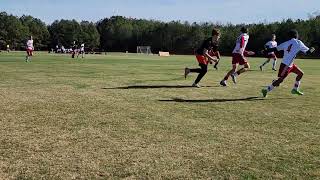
(255, 98)
(158, 87)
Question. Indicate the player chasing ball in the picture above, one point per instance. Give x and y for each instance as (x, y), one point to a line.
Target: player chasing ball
(29, 49)
(204, 58)
(271, 55)
(291, 48)
(238, 57)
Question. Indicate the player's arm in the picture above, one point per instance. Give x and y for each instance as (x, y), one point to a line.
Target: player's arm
(310, 51)
(305, 49)
(248, 53)
(207, 55)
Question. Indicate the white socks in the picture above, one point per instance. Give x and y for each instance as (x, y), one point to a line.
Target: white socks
(270, 88)
(297, 85)
(274, 64)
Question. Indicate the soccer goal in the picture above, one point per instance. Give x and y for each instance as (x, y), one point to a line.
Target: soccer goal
(144, 50)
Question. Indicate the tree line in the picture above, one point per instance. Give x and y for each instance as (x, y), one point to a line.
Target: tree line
(121, 34)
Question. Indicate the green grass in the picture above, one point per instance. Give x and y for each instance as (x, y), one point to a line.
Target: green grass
(129, 116)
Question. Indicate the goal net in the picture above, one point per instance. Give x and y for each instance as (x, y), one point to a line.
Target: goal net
(144, 50)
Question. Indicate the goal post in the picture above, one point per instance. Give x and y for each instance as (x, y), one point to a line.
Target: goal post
(144, 50)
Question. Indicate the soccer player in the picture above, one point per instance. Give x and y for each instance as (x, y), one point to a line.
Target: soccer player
(8, 48)
(29, 49)
(74, 49)
(271, 55)
(238, 57)
(291, 48)
(81, 51)
(203, 57)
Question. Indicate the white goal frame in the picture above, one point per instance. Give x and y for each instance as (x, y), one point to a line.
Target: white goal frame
(144, 50)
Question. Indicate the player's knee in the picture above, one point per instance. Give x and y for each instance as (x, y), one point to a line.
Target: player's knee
(301, 74)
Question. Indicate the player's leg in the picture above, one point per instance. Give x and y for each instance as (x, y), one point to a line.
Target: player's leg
(216, 65)
(73, 53)
(266, 62)
(283, 73)
(28, 55)
(232, 71)
(203, 71)
(297, 84)
(274, 64)
(246, 67)
(187, 71)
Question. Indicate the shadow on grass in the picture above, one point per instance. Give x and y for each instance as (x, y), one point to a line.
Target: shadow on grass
(158, 87)
(213, 100)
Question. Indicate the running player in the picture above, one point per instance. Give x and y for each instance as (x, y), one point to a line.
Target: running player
(29, 49)
(238, 57)
(271, 55)
(291, 48)
(203, 57)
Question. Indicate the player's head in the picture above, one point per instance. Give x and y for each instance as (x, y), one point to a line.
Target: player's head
(293, 34)
(273, 37)
(244, 30)
(215, 34)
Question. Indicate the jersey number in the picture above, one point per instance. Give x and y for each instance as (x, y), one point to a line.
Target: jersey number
(289, 48)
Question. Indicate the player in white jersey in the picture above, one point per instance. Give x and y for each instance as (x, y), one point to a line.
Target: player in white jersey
(29, 49)
(81, 51)
(271, 55)
(238, 57)
(291, 48)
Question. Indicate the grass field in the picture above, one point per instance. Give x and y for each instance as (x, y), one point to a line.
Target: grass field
(136, 117)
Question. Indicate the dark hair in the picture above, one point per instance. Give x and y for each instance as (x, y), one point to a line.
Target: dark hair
(244, 30)
(293, 33)
(215, 32)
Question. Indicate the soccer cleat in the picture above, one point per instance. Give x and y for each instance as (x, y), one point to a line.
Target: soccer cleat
(234, 78)
(196, 85)
(264, 92)
(296, 91)
(274, 69)
(186, 72)
(261, 68)
(223, 83)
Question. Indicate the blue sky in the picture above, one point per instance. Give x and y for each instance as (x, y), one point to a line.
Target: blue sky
(222, 11)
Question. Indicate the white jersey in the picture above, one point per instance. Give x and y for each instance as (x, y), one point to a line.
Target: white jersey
(30, 44)
(241, 44)
(82, 47)
(291, 48)
(271, 44)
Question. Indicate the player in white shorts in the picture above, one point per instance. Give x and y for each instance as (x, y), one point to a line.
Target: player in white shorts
(271, 55)
(291, 48)
(29, 49)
